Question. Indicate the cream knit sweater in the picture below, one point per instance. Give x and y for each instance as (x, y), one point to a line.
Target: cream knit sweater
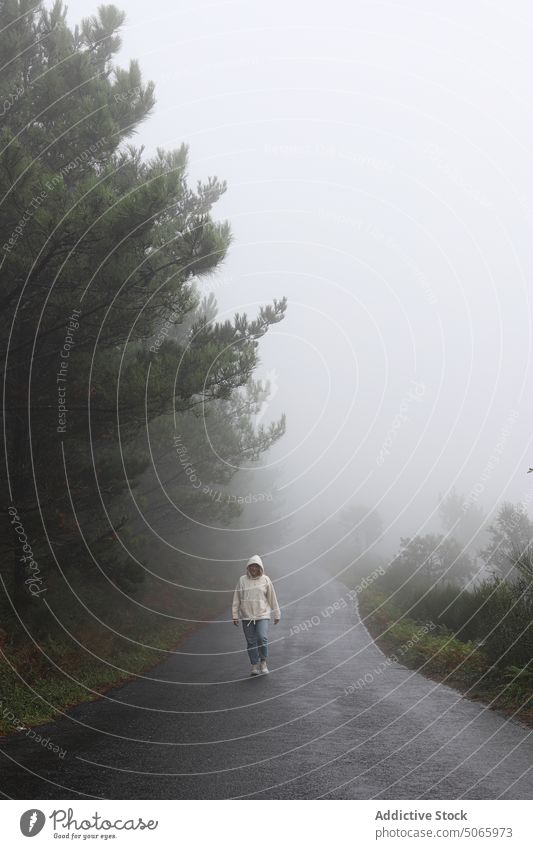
(255, 598)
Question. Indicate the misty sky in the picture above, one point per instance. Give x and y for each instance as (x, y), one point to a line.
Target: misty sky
(378, 163)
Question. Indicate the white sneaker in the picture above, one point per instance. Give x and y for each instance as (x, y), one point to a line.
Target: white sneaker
(255, 669)
(263, 668)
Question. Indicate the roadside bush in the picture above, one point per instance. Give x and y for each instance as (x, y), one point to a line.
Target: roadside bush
(495, 614)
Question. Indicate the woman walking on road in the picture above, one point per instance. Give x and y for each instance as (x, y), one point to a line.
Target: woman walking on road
(254, 600)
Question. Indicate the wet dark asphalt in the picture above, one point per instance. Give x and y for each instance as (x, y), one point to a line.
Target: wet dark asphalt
(198, 727)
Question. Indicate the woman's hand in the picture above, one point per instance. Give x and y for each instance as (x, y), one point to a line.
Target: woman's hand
(235, 621)
(276, 621)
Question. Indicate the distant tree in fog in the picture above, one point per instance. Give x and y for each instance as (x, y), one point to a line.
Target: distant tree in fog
(509, 537)
(363, 523)
(432, 556)
(461, 518)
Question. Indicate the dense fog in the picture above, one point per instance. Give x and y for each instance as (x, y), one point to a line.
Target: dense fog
(377, 160)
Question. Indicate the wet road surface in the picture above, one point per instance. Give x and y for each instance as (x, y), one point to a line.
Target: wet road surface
(197, 726)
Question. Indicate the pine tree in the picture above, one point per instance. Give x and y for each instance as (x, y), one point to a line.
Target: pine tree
(100, 250)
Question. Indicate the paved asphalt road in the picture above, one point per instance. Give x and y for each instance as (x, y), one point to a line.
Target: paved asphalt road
(198, 727)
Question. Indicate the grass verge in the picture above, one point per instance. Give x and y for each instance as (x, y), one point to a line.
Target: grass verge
(439, 655)
(64, 674)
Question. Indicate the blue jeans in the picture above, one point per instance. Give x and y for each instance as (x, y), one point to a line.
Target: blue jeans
(256, 634)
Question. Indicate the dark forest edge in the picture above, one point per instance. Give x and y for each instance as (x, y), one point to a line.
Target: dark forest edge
(47, 691)
(128, 403)
(38, 683)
